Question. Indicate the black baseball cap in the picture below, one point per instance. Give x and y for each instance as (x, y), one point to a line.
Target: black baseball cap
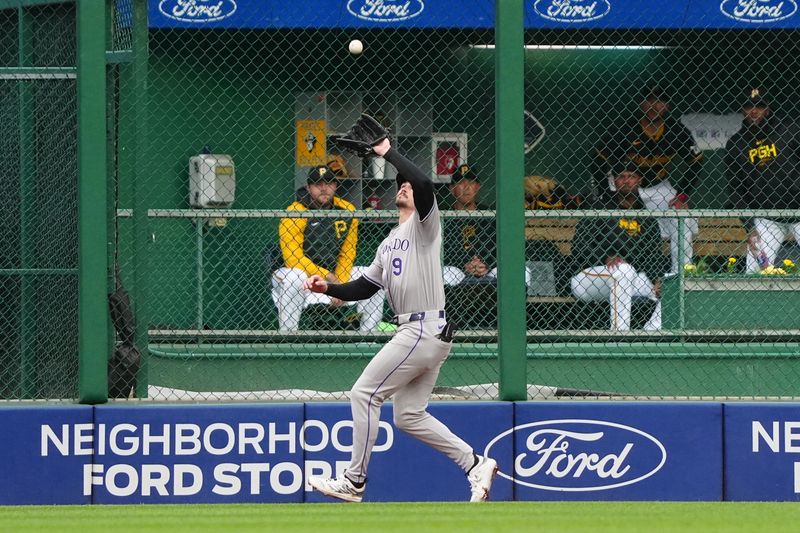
(464, 172)
(321, 174)
(755, 98)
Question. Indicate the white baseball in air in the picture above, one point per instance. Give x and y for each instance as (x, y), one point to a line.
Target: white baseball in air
(355, 47)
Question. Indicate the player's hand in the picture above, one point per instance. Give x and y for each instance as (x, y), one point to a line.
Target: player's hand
(613, 261)
(480, 268)
(657, 288)
(382, 147)
(476, 267)
(336, 302)
(315, 283)
(681, 201)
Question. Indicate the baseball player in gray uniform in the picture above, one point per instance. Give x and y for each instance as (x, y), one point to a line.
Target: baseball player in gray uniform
(408, 268)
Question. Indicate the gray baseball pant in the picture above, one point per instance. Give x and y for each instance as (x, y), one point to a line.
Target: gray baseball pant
(406, 369)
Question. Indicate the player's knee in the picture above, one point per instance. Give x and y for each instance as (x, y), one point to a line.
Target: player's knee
(405, 420)
(290, 278)
(623, 270)
(361, 395)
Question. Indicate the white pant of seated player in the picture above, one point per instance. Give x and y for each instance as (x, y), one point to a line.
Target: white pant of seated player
(453, 275)
(658, 197)
(291, 299)
(771, 234)
(617, 285)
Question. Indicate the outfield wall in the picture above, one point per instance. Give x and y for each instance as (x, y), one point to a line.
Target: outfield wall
(697, 451)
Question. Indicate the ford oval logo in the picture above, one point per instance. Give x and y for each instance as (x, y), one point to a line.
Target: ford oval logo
(573, 455)
(197, 11)
(572, 11)
(385, 10)
(758, 11)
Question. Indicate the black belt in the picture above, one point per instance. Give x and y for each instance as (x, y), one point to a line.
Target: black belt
(414, 317)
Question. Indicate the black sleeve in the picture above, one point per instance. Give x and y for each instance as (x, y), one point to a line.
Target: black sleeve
(651, 260)
(452, 242)
(587, 245)
(599, 167)
(424, 198)
(737, 186)
(357, 289)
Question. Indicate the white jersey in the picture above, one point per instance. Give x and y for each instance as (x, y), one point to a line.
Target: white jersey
(408, 265)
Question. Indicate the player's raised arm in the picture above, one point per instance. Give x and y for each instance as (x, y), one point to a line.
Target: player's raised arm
(424, 198)
(368, 137)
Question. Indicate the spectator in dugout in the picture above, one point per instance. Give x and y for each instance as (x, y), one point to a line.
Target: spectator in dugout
(619, 258)
(323, 246)
(763, 169)
(469, 248)
(655, 142)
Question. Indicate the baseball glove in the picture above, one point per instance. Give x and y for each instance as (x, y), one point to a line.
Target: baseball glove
(365, 133)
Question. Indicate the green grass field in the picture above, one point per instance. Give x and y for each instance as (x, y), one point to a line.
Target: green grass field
(409, 517)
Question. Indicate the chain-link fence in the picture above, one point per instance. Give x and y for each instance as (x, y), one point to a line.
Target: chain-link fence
(644, 304)
(220, 117)
(38, 199)
(239, 119)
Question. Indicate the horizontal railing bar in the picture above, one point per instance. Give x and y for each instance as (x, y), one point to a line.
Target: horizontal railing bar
(573, 333)
(37, 271)
(485, 213)
(38, 73)
(13, 4)
(119, 56)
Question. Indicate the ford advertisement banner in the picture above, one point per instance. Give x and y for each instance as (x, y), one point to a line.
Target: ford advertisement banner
(762, 452)
(564, 14)
(197, 454)
(615, 451)
(44, 452)
(265, 452)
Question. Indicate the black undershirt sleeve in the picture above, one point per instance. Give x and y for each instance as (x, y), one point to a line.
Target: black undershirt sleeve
(423, 186)
(357, 289)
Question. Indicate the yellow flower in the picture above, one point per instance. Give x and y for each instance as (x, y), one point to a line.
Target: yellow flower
(689, 267)
(772, 271)
(788, 263)
(731, 260)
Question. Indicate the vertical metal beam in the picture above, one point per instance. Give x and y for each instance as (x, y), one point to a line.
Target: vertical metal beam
(199, 228)
(511, 299)
(112, 181)
(681, 276)
(137, 91)
(27, 182)
(92, 232)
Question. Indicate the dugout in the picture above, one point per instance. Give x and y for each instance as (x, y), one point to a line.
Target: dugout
(240, 84)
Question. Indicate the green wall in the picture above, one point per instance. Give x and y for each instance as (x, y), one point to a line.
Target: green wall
(234, 91)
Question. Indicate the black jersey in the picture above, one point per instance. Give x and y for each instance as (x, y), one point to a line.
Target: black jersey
(654, 155)
(465, 238)
(637, 241)
(763, 166)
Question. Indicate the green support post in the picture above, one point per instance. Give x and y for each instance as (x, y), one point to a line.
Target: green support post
(27, 171)
(511, 313)
(139, 89)
(681, 276)
(92, 233)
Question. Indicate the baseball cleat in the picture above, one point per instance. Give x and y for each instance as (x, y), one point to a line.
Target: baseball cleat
(341, 488)
(481, 477)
